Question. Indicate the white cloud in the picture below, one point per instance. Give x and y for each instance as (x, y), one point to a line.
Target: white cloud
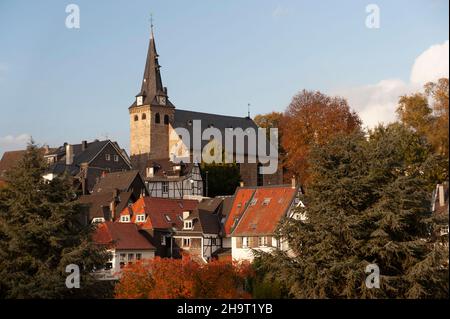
(279, 12)
(10, 142)
(376, 103)
(431, 64)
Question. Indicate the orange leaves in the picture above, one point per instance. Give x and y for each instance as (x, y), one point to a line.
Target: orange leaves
(313, 118)
(163, 278)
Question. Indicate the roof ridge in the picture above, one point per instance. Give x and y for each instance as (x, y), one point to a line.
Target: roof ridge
(215, 114)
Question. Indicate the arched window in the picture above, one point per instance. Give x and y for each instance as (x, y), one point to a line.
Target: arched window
(166, 119)
(136, 118)
(144, 116)
(157, 118)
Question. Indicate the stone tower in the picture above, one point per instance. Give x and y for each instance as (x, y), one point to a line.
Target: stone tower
(151, 114)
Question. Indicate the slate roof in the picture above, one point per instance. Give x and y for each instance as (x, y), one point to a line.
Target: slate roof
(80, 156)
(123, 236)
(261, 209)
(164, 168)
(184, 119)
(97, 202)
(116, 180)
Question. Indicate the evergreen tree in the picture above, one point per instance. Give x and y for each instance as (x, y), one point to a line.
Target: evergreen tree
(41, 233)
(369, 204)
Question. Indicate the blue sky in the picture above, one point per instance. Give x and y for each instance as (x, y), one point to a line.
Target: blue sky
(65, 85)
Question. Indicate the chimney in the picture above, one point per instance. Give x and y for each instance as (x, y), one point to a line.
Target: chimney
(112, 209)
(107, 213)
(186, 214)
(83, 146)
(293, 182)
(441, 195)
(241, 184)
(69, 154)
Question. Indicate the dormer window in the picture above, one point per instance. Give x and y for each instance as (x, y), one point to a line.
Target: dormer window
(188, 224)
(125, 218)
(167, 218)
(150, 171)
(140, 218)
(266, 201)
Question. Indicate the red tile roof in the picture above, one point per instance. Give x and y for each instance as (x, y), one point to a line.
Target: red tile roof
(241, 199)
(266, 206)
(124, 236)
(162, 213)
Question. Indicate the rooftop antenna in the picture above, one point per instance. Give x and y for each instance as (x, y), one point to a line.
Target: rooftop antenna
(248, 110)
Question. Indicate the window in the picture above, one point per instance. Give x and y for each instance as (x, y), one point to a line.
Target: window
(138, 256)
(186, 242)
(157, 118)
(140, 218)
(188, 224)
(163, 240)
(150, 171)
(125, 218)
(136, 118)
(122, 260)
(167, 218)
(130, 258)
(108, 157)
(166, 119)
(266, 201)
(165, 187)
(264, 241)
(213, 241)
(144, 116)
(253, 202)
(244, 242)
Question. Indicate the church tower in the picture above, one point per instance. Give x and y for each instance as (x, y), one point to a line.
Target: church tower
(150, 115)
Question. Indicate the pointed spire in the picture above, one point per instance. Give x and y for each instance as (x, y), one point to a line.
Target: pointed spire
(152, 83)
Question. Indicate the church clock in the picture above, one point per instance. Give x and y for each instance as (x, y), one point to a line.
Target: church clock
(139, 100)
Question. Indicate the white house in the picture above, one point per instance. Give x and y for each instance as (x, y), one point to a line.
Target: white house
(125, 243)
(254, 216)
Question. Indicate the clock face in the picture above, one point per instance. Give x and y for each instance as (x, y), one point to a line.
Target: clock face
(162, 100)
(139, 100)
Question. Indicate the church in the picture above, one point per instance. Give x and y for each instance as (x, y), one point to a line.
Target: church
(154, 121)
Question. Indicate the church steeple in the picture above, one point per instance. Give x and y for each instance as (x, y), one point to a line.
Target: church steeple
(152, 90)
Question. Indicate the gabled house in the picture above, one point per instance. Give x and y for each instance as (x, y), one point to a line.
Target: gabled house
(104, 206)
(254, 216)
(167, 179)
(122, 181)
(160, 218)
(86, 162)
(126, 244)
(11, 158)
(201, 235)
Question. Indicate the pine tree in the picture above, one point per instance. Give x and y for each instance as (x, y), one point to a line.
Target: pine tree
(41, 232)
(369, 204)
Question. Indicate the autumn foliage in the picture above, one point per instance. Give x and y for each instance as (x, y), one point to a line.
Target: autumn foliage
(164, 278)
(313, 118)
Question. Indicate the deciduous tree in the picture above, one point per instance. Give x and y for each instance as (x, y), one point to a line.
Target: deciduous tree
(313, 118)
